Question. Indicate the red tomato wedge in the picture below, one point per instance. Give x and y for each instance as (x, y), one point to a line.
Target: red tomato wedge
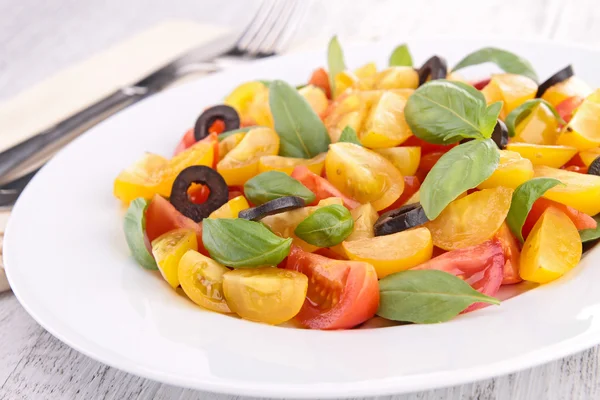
(341, 294)
(581, 220)
(512, 255)
(320, 187)
(427, 147)
(481, 84)
(163, 217)
(567, 107)
(320, 79)
(480, 266)
(188, 139)
(411, 186)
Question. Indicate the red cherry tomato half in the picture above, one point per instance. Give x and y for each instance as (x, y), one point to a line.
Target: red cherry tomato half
(426, 147)
(320, 187)
(480, 266)
(163, 217)
(567, 107)
(512, 255)
(320, 79)
(481, 84)
(581, 220)
(188, 139)
(411, 186)
(341, 294)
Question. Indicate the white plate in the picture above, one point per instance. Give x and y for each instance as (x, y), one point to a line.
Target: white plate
(69, 265)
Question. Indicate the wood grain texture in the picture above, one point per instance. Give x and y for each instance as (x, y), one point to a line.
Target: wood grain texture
(35, 365)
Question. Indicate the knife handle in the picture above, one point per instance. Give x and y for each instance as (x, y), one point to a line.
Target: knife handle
(15, 156)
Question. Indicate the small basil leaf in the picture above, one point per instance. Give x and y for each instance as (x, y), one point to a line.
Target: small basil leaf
(335, 61)
(401, 57)
(426, 296)
(265, 82)
(444, 112)
(134, 226)
(239, 243)
(326, 227)
(462, 168)
(514, 118)
(507, 61)
(589, 235)
(522, 200)
(349, 135)
(272, 185)
(300, 129)
(225, 135)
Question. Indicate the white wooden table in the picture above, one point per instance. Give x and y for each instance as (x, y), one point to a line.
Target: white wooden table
(40, 38)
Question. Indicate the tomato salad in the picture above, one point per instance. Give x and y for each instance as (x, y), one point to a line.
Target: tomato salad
(407, 193)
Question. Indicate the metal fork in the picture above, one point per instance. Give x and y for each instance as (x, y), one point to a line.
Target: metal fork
(268, 33)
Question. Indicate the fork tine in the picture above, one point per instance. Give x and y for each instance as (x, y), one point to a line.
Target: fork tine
(291, 28)
(267, 45)
(258, 23)
(253, 48)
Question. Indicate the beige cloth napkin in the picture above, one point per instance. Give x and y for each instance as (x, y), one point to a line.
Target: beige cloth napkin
(95, 78)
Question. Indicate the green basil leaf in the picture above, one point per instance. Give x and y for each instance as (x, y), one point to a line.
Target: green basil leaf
(401, 57)
(426, 296)
(514, 118)
(335, 61)
(302, 132)
(265, 82)
(272, 185)
(134, 226)
(589, 235)
(239, 243)
(349, 135)
(326, 227)
(225, 135)
(522, 200)
(462, 168)
(507, 61)
(444, 112)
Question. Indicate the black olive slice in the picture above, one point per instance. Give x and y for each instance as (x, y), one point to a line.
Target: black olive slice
(221, 112)
(399, 220)
(434, 68)
(500, 135)
(275, 206)
(558, 77)
(219, 192)
(594, 168)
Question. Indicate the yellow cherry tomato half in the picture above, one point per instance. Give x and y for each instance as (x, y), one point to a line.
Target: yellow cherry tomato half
(583, 130)
(241, 163)
(580, 191)
(392, 253)
(513, 90)
(406, 159)
(472, 219)
(141, 179)
(588, 156)
(269, 295)
(242, 97)
(231, 209)
(316, 97)
(538, 154)
(229, 143)
(287, 164)
(512, 171)
(364, 217)
(573, 86)
(539, 127)
(385, 125)
(552, 248)
(363, 175)
(397, 78)
(201, 279)
(168, 249)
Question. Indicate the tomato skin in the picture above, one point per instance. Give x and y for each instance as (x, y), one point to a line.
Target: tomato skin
(355, 300)
(567, 107)
(481, 84)
(575, 168)
(412, 184)
(198, 193)
(320, 79)
(580, 219)
(320, 187)
(512, 255)
(481, 266)
(188, 139)
(163, 217)
(426, 147)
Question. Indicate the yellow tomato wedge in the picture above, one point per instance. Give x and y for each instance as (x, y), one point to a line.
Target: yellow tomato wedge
(242, 97)
(347, 80)
(397, 78)
(583, 131)
(472, 219)
(284, 224)
(406, 159)
(367, 74)
(580, 191)
(241, 163)
(287, 164)
(552, 248)
(231, 209)
(512, 171)
(539, 127)
(385, 125)
(168, 249)
(201, 278)
(588, 156)
(511, 89)
(573, 86)
(229, 143)
(392, 253)
(364, 217)
(551, 156)
(269, 295)
(316, 97)
(363, 175)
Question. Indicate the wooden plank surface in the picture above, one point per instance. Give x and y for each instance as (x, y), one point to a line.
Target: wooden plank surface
(35, 365)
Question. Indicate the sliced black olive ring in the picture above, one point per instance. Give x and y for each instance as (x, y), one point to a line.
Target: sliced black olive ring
(399, 220)
(219, 192)
(275, 206)
(558, 77)
(594, 168)
(434, 68)
(221, 112)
